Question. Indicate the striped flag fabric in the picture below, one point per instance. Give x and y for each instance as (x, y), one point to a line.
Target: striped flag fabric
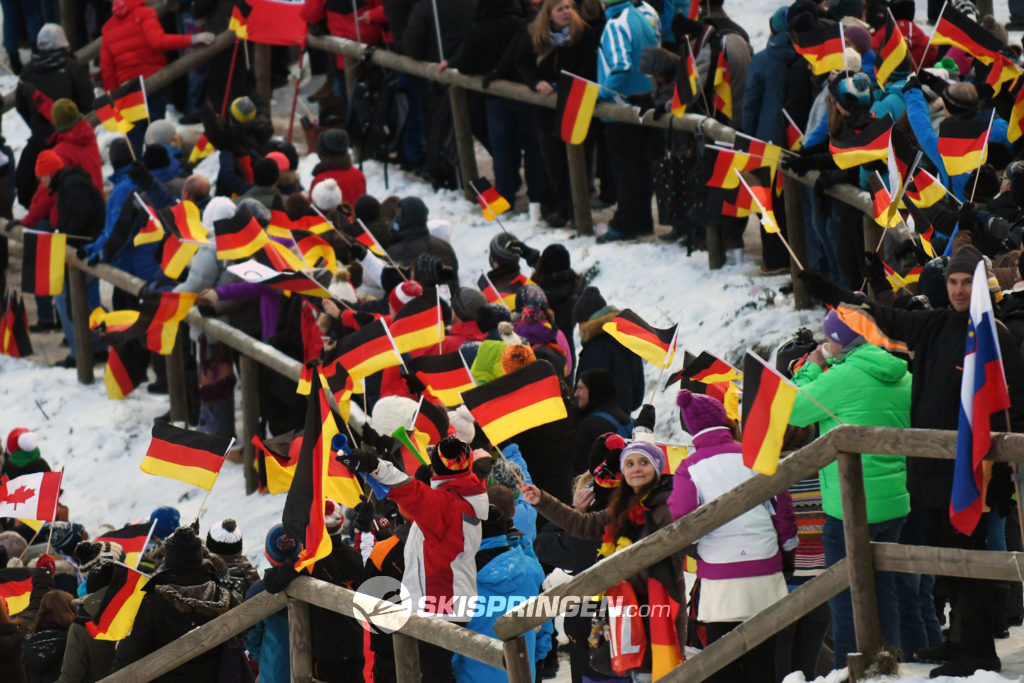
(490, 292)
(313, 222)
(305, 384)
(794, 136)
(924, 189)
(983, 391)
(126, 368)
(418, 324)
(280, 258)
(913, 275)
(315, 249)
(280, 225)
(366, 238)
(276, 458)
(1015, 124)
(42, 264)
(130, 100)
(892, 53)
(31, 496)
(758, 185)
(957, 29)
(722, 99)
(491, 203)
(240, 236)
(109, 116)
(722, 175)
(882, 207)
(656, 346)
(239, 23)
(153, 230)
(166, 310)
(860, 320)
(184, 220)
(432, 420)
(132, 539)
(192, 457)
(577, 98)
(202, 149)
(963, 145)
(684, 92)
(368, 350)
(767, 404)
(512, 404)
(15, 340)
(896, 280)
(297, 283)
(920, 224)
(117, 612)
(1002, 70)
(662, 591)
(823, 48)
(710, 370)
(16, 588)
(116, 327)
(871, 144)
(335, 380)
(176, 255)
(445, 376)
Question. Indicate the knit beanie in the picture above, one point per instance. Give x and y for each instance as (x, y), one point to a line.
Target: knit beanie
(243, 109)
(964, 260)
(280, 159)
(219, 209)
(64, 535)
(332, 143)
(500, 252)
(64, 114)
(167, 520)
(156, 156)
(516, 356)
(367, 208)
(451, 456)
(589, 302)
(51, 37)
(461, 420)
(47, 163)
(119, 153)
(280, 548)
(903, 10)
(224, 538)
(838, 331)
(403, 294)
(987, 185)
(334, 516)
(859, 36)
(412, 212)
(160, 132)
(467, 302)
(648, 450)
(960, 97)
(778, 22)
(852, 92)
(531, 297)
(326, 195)
(91, 555)
(700, 412)
(183, 550)
(506, 473)
(554, 259)
(801, 16)
(265, 172)
(491, 315)
(22, 446)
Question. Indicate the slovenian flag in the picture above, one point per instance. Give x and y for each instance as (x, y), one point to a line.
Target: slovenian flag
(982, 392)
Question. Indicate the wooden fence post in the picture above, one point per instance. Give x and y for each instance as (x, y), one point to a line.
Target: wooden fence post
(407, 658)
(68, 22)
(249, 370)
(796, 231)
(872, 654)
(517, 661)
(716, 250)
(176, 389)
(78, 305)
(261, 65)
(299, 641)
(464, 140)
(579, 183)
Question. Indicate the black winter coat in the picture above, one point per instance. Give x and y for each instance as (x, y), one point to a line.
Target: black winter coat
(57, 74)
(579, 58)
(419, 40)
(12, 643)
(337, 637)
(590, 426)
(409, 242)
(496, 22)
(80, 207)
(598, 350)
(44, 654)
(562, 289)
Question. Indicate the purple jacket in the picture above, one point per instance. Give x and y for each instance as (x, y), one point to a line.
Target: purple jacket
(539, 333)
(749, 545)
(270, 302)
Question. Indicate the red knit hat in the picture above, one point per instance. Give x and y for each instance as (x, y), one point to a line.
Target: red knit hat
(47, 163)
(403, 294)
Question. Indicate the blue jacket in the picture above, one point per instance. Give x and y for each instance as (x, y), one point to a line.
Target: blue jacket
(510, 574)
(766, 79)
(626, 34)
(267, 641)
(525, 518)
(121, 192)
(921, 123)
(143, 261)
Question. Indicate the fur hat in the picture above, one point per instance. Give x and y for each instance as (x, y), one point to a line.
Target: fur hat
(960, 97)
(160, 132)
(119, 152)
(391, 412)
(516, 356)
(333, 142)
(280, 548)
(451, 456)
(963, 260)
(326, 195)
(462, 422)
(648, 450)
(91, 555)
(167, 520)
(403, 294)
(183, 549)
(467, 302)
(838, 331)
(699, 412)
(589, 302)
(13, 542)
(243, 109)
(265, 172)
(64, 114)
(224, 538)
(500, 252)
(334, 516)
(51, 37)
(47, 163)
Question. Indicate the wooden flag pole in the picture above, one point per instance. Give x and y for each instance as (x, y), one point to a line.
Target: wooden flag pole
(295, 93)
(926, 47)
(672, 348)
(437, 31)
(32, 540)
(387, 256)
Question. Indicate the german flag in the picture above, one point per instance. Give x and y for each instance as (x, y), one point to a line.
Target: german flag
(42, 263)
(280, 225)
(491, 292)
(445, 376)
(303, 516)
(366, 238)
(168, 310)
(957, 29)
(767, 404)
(132, 539)
(130, 100)
(920, 224)
(758, 185)
(823, 48)
(722, 176)
(239, 23)
(368, 350)
(1001, 71)
(116, 615)
(276, 459)
(753, 153)
(117, 327)
(110, 117)
(341, 485)
(202, 149)
(685, 92)
(896, 280)
(176, 255)
(297, 283)
(280, 258)
(654, 345)
(963, 145)
(153, 230)
(240, 236)
(515, 403)
(315, 249)
(1016, 123)
(336, 380)
(418, 325)
(432, 420)
(126, 369)
(192, 457)
(14, 336)
(413, 448)
(710, 370)
(16, 588)
(492, 203)
(924, 189)
(882, 207)
(665, 603)
(305, 384)
(576, 100)
(871, 144)
(913, 275)
(184, 221)
(892, 53)
(722, 100)
(794, 136)
(313, 222)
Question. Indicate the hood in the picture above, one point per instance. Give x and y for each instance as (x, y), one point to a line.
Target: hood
(468, 486)
(877, 362)
(80, 135)
(120, 175)
(207, 599)
(487, 364)
(535, 333)
(123, 8)
(509, 573)
(51, 60)
(591, 329)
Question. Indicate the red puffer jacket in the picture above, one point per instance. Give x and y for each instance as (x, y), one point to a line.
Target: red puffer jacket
(134, 43)
(341, 23)
(76, 145)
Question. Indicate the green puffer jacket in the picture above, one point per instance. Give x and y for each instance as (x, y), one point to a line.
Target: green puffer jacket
(865, 386)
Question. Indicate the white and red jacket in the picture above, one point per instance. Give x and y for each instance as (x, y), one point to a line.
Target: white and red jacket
(440, 553)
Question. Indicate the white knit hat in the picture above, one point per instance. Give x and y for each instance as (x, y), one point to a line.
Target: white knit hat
(326, 195)
(218, 209)
(392, 412)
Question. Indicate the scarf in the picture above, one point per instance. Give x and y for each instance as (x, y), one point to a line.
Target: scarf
(559, 38)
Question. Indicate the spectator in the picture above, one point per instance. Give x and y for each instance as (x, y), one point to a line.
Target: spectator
(411, 237)
(336, 163)
(264, 177)
(12, 641)
(562, 286)
(45, 643)
(74, 139)
(597, 413)
(225, 539)
(599, 350)
(22, 454)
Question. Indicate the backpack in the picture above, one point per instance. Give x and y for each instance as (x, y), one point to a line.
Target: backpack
(625, 430)
(377, 114)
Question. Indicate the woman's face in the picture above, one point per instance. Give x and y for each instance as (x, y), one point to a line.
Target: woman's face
(582, 395)
(561, 15)
(637, 471)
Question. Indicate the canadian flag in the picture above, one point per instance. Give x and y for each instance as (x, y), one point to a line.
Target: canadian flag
(31, 496)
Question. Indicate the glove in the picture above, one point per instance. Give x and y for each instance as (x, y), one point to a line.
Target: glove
(824, 289)
(796, 163)
(204, 38)
(364, 516)
(873, 267)
(999, 495)
(912, 83)
(371, 438)
(489, 78)
(822, 183)
(644, 100)
(276, 579)
(358, 251)
(28, 90)
(646, 417)
(967, 217)
(528, 254)
(93, 252)
(140, 175)
(413, 384)
(359, 460)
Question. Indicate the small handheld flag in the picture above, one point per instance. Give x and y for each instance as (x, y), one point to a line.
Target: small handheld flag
(656, 346)
(31, 496)
(767, 404)
(192, 457)
(685, 91)
(42, 265)
(577, 98)
(121, 602)
(491, 202)
(512, 404)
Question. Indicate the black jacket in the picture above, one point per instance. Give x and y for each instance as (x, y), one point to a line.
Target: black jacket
(80, 207)
(562, 289)
(43, 655)
(599, 350)
(590, 426)
(12, 643)
(496, 22)
(408, 242)
(57, 74)
(419, 39)
(579, 58)
(337, 637)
